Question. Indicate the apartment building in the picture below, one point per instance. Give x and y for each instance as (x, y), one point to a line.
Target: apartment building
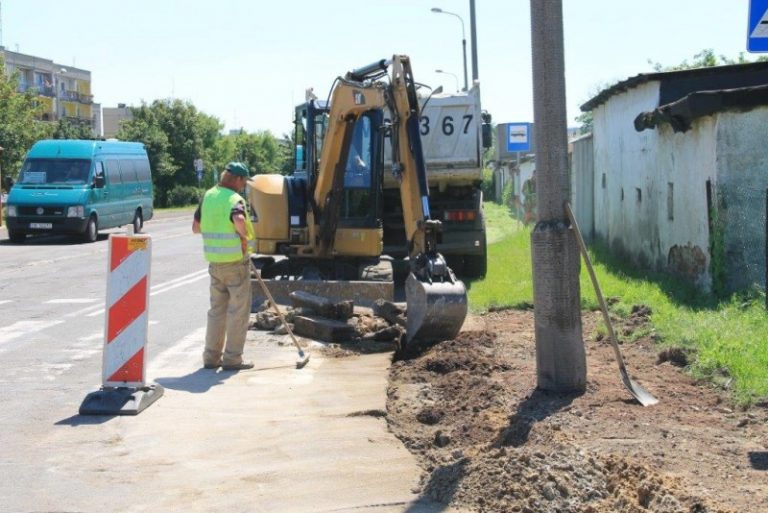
(63, 91)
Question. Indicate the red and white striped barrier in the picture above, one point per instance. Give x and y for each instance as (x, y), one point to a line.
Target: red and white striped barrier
(124, 390)
(126, 318)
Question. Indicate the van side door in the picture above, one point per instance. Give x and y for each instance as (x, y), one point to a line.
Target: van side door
(129, 200)
(113, 194)
(96, 200)
(144, 177)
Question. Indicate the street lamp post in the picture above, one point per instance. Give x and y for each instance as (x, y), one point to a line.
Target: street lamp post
(463, 39)
(451, 74)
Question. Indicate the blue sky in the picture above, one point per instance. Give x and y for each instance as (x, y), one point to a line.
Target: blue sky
(248, 62)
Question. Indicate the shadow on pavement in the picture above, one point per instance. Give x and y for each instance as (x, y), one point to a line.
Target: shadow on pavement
(197, 382)
(84, 420)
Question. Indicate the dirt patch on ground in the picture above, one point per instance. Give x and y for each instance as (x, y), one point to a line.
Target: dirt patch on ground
(488, 441)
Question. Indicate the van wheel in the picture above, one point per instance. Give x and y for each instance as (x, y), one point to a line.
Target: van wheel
(138, 221)
(91, 230)
(16, 237)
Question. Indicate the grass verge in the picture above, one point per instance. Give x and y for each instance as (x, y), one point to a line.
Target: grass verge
(727, 339)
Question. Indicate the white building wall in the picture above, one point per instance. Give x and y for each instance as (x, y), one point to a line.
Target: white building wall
(625, 161)
(583, 184)
(687, 161)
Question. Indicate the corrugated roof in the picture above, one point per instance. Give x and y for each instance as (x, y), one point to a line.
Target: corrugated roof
(684, 82)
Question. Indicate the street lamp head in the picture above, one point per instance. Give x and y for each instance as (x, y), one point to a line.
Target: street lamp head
(439, 71)
(436, 9)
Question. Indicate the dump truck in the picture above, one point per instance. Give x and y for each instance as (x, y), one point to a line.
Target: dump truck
(326, 224)
(454, 130)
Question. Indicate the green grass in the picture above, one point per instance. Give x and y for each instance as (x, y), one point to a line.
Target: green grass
(728, 339)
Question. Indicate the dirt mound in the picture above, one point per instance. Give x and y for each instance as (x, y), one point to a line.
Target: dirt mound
(489, 441)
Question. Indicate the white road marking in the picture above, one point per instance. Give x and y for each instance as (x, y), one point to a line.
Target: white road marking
(94, 336)
(22, 328)
(187, 349)
(155, 290)
(71, 301)
(178, 282)
(4, 301)
(83, 311)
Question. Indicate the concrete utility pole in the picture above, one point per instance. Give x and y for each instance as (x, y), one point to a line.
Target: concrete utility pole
(473, 38)
(560, 357)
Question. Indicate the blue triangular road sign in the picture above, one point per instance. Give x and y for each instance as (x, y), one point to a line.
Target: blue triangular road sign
(757, 36)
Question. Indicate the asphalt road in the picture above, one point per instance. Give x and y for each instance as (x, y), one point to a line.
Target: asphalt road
(271, 439)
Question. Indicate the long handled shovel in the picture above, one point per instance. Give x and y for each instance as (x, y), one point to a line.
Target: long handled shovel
(303, 357)
(641, 394)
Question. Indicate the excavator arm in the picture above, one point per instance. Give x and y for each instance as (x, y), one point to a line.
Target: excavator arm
(436, 300)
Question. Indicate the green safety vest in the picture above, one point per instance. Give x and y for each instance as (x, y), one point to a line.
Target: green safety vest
(221, 242)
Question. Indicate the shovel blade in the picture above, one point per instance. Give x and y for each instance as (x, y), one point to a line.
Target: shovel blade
(643, 396)
(436, 311)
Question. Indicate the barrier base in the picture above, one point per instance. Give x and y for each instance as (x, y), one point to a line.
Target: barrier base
(120, 401)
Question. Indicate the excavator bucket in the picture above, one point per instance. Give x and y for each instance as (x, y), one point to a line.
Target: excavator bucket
(436, 310)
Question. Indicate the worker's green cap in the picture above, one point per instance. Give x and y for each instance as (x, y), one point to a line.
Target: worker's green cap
(238, 169)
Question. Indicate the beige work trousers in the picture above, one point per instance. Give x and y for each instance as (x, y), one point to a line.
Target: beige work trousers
(229, 314)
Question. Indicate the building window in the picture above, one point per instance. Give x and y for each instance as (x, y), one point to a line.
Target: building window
(670, 201)
(639, 194)
(603, 181)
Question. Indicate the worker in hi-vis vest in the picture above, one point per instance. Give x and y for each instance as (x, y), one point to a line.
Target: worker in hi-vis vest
(222, 218)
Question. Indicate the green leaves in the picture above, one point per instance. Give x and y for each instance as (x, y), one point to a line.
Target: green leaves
(175, 133)
(19, 124)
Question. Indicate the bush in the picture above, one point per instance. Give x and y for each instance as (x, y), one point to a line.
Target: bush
(183, 195)
(489, 191)
(506, 195)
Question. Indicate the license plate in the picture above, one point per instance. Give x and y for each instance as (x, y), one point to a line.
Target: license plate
(41, 226)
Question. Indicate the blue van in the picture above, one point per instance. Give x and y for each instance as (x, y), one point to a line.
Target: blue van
(80, 187)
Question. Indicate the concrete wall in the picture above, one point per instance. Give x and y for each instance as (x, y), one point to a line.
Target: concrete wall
(583, 184)
(624, 162)
(687, 161)
(650, 191)
(742, 165)
(112, 117)
(650, 187)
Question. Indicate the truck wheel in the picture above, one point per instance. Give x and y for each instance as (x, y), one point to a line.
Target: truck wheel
(16, 237)
(91, 230)
(138, 221)
(475, 266)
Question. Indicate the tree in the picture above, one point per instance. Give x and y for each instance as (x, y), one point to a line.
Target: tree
(262, 152)
(19, 122)
(705, 59)
(175, 134)
(72, 129)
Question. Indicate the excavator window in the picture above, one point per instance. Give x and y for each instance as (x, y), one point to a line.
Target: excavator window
(358, 172)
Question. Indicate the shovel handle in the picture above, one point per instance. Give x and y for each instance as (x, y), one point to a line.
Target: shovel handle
(276, 308)
(596, 285)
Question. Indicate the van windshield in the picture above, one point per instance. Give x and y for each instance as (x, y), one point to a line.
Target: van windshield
(54, 171)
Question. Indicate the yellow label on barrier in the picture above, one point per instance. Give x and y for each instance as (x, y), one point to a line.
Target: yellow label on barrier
(136, 244)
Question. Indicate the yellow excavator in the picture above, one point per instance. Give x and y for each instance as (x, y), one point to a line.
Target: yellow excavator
(325, 221)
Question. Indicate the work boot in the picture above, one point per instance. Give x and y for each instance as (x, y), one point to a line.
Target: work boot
(238, 366)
